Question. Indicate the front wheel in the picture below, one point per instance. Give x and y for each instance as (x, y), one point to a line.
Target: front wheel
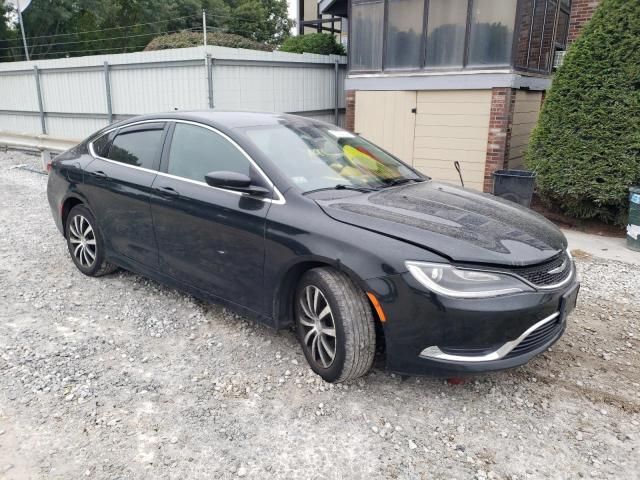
(335, 325)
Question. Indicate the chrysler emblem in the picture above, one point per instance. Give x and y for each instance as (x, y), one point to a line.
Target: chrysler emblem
(558, 269)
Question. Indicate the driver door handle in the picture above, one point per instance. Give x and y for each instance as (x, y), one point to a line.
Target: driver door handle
(167, 191)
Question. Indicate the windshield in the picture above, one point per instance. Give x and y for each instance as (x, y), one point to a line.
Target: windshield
(316, 156)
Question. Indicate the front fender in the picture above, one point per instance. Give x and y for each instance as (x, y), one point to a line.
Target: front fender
(309, 239)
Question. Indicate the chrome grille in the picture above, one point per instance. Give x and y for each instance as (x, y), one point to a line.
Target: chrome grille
(537, 338)
(544, 275)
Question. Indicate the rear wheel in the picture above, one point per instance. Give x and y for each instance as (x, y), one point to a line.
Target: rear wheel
(335, 325)
(85, 243)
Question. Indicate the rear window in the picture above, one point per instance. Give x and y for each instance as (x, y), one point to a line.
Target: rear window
(140, 148)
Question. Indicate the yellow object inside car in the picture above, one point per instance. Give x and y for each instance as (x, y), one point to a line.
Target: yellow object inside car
(364, 164)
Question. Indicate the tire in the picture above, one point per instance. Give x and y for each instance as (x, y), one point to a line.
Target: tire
(349, 319)
(85, 243)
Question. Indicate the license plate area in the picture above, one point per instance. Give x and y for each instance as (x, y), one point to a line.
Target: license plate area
(569, 301)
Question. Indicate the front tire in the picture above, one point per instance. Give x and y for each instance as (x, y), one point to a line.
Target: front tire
(85, 243)
(335, 325)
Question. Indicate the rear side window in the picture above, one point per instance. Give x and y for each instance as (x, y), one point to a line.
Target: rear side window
(140, 148)
(196, 151)
(101, 145)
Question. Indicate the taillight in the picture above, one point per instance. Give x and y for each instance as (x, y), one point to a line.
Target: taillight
(49, 165)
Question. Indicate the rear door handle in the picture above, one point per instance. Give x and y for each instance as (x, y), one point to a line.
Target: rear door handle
(167, 191)
(99, 174)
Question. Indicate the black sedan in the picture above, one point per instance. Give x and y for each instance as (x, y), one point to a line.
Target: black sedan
(302, 224)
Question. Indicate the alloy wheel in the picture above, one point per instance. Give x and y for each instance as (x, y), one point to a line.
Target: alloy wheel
(316, 319)
(83, 240)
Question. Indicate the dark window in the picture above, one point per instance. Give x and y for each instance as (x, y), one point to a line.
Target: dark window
(457, 34)
(446, 27)
(563, 29)
(101, 145)
(547, 47)
(140, 148)
(196, 151)
(491, 33)
(404, 33)
(540, 36)
(366, 35)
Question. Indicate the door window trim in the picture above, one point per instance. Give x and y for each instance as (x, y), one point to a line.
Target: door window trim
(279, 200)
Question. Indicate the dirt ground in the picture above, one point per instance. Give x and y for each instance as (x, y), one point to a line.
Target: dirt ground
(121, 378)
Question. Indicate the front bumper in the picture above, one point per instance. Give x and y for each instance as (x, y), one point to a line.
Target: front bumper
(426, 333)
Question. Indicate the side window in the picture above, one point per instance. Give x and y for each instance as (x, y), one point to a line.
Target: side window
(140, 148)
(196, 151)
(101, 144)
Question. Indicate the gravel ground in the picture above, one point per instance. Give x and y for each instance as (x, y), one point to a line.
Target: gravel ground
(121, 377)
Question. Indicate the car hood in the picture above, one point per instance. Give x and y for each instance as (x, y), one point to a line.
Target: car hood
(463, 225)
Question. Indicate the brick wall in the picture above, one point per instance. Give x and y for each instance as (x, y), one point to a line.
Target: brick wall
(350, 113)
(581, 13)
(500, 123)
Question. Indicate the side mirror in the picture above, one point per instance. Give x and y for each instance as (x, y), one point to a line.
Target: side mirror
(235, 181)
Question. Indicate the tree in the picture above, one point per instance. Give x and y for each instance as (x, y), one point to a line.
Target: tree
(8, 44)
(261, 20)
(194, 39)
(322, 43)
(586, 146)
(57, 28)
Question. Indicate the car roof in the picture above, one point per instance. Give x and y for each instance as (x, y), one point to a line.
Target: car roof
(224, 119)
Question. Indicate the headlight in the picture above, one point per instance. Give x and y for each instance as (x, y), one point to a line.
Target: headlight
(461, 283)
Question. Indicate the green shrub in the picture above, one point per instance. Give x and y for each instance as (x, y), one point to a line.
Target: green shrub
(322, 43)
(194, 39)
(586, 146)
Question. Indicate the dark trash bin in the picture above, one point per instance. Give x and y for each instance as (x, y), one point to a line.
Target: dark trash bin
(514, 185)
(633, 227)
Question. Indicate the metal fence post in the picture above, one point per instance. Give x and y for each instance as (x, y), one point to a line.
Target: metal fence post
(336, 115)
(209, 64)
(36, 75)
(107, 85)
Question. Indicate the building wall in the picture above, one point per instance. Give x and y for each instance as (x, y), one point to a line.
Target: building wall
(525, 116)
(308, 10)
(499, 138)
(581, 13)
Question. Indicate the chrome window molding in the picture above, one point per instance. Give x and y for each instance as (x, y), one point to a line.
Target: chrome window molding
(280, 200)
(434, 352)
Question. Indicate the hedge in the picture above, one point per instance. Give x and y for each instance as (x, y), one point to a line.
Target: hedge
(322, 43)
(586, 146)
(194, 39)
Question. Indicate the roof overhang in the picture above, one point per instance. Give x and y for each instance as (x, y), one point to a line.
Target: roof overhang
(339, 8)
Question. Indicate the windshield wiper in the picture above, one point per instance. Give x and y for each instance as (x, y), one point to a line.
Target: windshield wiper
(400, 181)
(342, 186)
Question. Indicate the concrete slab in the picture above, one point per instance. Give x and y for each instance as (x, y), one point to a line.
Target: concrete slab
(610, 248)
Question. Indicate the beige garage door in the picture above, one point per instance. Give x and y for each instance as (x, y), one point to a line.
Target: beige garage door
(430, 129)
(453, 125)
(387, 119)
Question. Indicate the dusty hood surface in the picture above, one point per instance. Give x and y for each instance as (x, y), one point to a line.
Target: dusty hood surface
(460, 224)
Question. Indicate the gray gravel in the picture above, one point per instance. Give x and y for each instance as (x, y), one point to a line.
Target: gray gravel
(121, 377)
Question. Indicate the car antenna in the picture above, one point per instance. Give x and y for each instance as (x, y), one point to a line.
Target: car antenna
(457, 165)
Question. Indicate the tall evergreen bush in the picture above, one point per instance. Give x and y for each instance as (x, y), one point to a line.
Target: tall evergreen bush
(586, 146)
